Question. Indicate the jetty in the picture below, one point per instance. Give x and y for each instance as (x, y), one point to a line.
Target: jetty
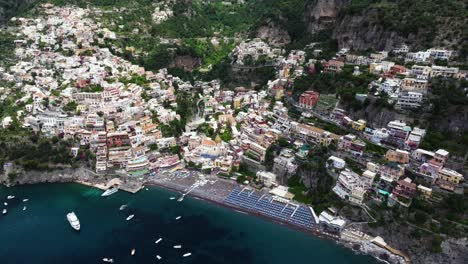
(130, 186)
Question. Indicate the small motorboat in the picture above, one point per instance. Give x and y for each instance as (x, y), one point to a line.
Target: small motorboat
(73, 220)
(24, 208)
(133, 252)
(179, 217)
(130, 217)
(4, 211)
(172, 198)
(186, 254)
(9, 197)
(158, 257)
(5, 204)
(122, 207)
(25, 200)
(108, 260)
(177, 246)
(157, 241)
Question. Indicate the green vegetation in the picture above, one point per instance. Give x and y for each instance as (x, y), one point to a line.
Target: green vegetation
(70, 107)
(371, 147)
(93, 89)
(6, 47)
(344, 84)
(31, 151)
(449, 101)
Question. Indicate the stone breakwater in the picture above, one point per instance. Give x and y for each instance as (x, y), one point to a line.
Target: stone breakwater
(54, 176)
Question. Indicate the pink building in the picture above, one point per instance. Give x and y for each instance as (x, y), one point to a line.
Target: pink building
(309, 99)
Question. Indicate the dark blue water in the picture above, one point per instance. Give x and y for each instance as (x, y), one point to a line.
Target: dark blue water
(213, 234)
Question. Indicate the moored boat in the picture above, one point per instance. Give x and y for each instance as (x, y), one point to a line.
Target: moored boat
(158, 257)
(130, 217)
(4, 211)
(108, 260)
(187, 254)
(73, 220)
(177, 246)
(157, 241)
(9, 197)
(133, 252)
(110, 191)
(177, 218)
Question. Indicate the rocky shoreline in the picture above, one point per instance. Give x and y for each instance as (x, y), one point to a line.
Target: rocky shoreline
(81, 174)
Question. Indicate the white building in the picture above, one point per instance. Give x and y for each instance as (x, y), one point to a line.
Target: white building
(337, 163)
(409, 100)
(267, 178)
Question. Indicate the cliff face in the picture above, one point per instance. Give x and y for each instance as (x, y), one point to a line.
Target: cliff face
(357, 33)
(362, 24)
(322, 14)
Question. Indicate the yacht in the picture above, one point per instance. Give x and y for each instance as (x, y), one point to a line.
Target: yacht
(172, 198)
(108, 260)
(177, 246)
(158, 257)
(133, 252)
(4, 211)
(157, 241)
(74, 222)
(130, 217)
(177, 218)
(9, 197)
(186, 255)
(110, 191)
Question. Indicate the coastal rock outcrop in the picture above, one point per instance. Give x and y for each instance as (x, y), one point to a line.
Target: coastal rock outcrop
(59, 176)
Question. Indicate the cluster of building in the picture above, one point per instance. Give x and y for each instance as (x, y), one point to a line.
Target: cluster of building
(253, 50)
(161, 14)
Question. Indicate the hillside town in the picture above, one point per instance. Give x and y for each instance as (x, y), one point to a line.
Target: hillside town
(138, 123)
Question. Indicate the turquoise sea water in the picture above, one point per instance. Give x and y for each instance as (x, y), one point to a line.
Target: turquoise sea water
(213, 234)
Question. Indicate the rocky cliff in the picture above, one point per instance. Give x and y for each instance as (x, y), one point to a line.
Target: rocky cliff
(378, 25)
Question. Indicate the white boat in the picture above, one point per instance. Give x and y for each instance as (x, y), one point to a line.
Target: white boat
(172, 198)
(5, 204)
(177, 246)
(157, 241)
(73, 220)
(130, 217)
(158, 257)
(108, 260)
(186, 255)
(110, 191)
(122, 207)
(25, 200)
(133, 252)
(24, 208)
(4, 211)
(9, 197)
(179, 217)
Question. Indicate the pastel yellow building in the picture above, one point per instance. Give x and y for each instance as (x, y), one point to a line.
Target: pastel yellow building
(449, 179)
(359, 125)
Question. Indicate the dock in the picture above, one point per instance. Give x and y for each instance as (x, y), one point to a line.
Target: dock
(131, 187)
